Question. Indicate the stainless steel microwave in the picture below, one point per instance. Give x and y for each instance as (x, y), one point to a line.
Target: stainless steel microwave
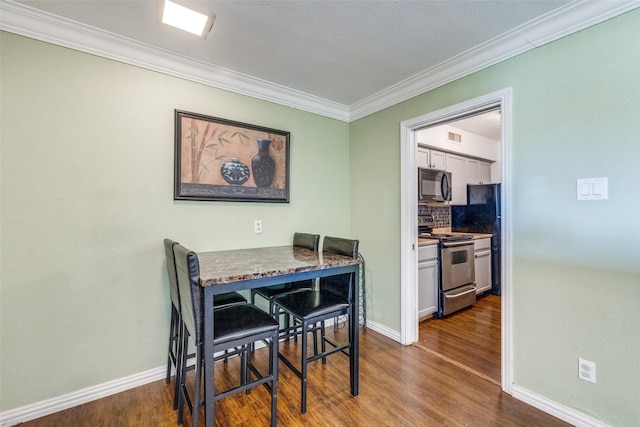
(434, 185)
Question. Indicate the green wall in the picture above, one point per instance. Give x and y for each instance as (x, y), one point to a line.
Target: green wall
(576, 265)
(87, 197)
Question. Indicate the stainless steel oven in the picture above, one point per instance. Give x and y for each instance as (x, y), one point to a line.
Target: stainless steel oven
(457, 275)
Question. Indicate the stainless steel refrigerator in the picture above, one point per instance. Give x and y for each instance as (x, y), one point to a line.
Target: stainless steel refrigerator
(482, 215)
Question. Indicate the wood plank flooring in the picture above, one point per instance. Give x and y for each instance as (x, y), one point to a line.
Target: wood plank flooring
(399, 386)
(470, 338)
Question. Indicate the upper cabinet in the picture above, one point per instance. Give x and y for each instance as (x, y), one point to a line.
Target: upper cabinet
(465, 170)
(431, 159)
(457, 165)
(478, 172)
(484, 173)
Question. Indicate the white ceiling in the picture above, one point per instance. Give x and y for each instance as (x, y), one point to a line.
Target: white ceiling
(344, 59)
(488, 124)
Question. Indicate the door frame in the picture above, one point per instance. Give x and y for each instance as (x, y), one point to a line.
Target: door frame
(409, 218)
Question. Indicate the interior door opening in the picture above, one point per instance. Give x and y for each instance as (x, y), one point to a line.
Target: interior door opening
(469, 338)
(469, 116)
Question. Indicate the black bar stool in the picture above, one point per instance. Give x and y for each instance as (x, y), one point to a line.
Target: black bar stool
(236, 328)
(333, 298)
(222, 300)
(302, 240)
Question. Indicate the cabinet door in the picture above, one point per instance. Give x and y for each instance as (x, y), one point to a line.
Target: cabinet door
(422, 157)
(438, 160)
(427, 287)
(483, 270)
(484, 172)
(457, 165)
(472, 171)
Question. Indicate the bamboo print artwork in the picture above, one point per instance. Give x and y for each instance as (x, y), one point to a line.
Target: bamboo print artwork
(217, 160)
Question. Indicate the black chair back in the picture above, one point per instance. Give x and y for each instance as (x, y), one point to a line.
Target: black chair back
(306, 240)
(339, 285)
(191, 301)
(171, 271)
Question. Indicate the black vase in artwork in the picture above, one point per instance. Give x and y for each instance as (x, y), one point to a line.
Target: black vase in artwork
(262, 165)
(234, 172)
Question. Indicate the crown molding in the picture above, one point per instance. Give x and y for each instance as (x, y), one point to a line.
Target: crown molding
(562, 22)
(575, 16)
(26, 21)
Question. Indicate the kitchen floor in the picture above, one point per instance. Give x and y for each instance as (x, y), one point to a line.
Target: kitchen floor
(469, 338)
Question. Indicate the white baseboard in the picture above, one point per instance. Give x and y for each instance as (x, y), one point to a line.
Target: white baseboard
(56, 404)
(383, 330)
(553, 408)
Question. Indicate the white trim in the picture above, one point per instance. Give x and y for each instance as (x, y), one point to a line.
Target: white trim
(56, 404)
(408, 219)
(383, 330)
(573, 17)
(24, 20)
(567, 414)
(408, 234)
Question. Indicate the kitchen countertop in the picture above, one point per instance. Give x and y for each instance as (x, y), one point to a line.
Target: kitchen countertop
(425, 241)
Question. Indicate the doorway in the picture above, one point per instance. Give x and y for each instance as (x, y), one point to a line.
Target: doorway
(409, 291)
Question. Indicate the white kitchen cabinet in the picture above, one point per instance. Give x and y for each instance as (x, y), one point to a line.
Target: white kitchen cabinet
(482, 256)
(478, 171)
(471, 171)
(430, 159)
(457, 165)
(423, 157)
(427, 280)
(438, 160)
(465, 170)
(484, 172)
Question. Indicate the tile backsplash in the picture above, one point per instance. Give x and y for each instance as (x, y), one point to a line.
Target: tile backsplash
(441, 216)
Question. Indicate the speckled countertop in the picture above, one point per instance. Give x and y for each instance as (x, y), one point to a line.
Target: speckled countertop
(245, 264)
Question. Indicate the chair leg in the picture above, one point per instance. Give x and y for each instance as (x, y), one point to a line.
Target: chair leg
(315, 339)
(273, 370)
(172, 342)
(246, 361)
(323, 342)
(303, 366)
(195, 414)
(183, 372)
(180, 359)
(352, 355)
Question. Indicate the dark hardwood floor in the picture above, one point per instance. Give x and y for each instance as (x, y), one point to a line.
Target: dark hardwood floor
(399, 386)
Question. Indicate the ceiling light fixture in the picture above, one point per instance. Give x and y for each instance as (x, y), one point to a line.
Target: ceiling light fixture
(187, 18)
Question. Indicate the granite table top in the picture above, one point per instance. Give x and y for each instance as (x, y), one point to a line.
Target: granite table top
(245, 264)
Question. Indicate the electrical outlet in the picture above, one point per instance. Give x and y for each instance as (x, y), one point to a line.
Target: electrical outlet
(587, 370)
(257, 226)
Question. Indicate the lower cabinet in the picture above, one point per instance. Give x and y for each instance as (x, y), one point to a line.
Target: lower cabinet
(427, 280)
(482, 255)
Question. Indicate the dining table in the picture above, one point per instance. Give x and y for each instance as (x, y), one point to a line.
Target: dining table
(242, 269)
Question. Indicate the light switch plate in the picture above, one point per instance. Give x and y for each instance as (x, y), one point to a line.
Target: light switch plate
(592, 189)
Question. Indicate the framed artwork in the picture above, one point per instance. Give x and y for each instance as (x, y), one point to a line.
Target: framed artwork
(218, 159)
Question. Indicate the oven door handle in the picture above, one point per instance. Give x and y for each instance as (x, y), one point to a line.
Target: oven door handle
(471, 289)
(455, 244)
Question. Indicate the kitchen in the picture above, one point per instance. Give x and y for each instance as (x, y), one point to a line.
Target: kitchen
(459, 170)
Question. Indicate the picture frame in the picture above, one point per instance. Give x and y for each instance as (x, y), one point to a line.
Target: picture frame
(223, 160)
